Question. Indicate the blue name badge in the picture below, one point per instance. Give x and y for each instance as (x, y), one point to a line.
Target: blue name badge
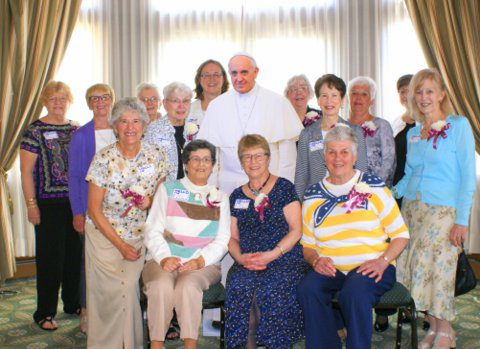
(241, 204)
(316, 145)
(181, 194)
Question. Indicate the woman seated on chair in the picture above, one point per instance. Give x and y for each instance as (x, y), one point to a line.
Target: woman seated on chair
(186, 234)
(260, 305)
(347, 219)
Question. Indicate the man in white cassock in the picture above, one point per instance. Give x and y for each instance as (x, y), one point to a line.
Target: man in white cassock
(247, 109)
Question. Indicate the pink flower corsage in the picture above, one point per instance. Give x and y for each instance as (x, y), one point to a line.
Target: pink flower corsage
(191, 130)
(438, 129)
(369, 128)
(136, 195)
(260, 204)
(358, 196)
(310, 118)
(213, 198)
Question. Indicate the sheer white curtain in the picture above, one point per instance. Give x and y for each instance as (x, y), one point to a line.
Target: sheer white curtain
(124, 42)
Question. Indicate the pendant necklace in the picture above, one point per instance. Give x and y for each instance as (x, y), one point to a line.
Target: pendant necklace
(256, 192)
(244, 123)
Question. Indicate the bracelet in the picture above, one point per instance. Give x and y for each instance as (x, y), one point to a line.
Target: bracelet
(32, 202)
(386, 259)
(282, 251)
(315, 261)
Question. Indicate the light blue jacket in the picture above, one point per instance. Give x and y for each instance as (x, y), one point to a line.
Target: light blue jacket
(444, 176)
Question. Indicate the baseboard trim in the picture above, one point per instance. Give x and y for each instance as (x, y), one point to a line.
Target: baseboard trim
(25, 267)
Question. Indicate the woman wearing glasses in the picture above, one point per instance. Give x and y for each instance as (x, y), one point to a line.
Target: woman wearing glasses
(261, 306)
(299, 91)
(88, 140)
(186, 234)
(171, 132)
(210, 82)
(44, 166)
(148, 95)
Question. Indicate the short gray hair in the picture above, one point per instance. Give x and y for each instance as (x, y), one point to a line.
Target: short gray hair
(363, 80)
(146, 86)
(176, 86)
(299, 78)
(244, 54)
(128, 104)
(341, 133)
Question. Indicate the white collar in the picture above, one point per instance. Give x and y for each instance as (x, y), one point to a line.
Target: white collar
(248, 95)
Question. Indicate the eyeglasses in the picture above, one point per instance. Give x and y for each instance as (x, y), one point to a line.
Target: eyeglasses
(57, 99)
(256, 157)
(302, 89)
(198, 160)
(149, 99)
(177, 101)
(211, 75)
(98, 98)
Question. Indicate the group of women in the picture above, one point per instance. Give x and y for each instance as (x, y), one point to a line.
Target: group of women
(141, 204)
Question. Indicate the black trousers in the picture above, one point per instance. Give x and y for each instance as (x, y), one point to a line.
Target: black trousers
(58, 257)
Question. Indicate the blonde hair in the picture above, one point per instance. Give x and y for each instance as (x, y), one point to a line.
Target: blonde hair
(55, 86)
(107, 89)
(252, 141)
(417, 80)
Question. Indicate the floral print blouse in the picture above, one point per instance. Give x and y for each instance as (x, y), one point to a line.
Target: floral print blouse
(50, 142)
(111, 171)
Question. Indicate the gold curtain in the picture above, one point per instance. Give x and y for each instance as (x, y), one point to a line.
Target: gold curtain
(449, 33)
(35, 34)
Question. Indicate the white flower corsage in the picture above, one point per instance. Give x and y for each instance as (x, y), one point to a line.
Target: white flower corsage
(191, 130)
(261, 203)
(369, 128)
(310, 118)
(358, 196)
(213, 198)
(437, 129)
(136, 194)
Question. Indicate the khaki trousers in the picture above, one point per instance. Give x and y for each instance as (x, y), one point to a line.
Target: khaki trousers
(182, 291)
(113, 294)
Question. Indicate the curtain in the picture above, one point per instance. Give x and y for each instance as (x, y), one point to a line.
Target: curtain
(161, 41)
(34, 38)
(449, 32)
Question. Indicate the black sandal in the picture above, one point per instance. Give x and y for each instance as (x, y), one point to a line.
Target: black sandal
(381, 326)
(42, 322)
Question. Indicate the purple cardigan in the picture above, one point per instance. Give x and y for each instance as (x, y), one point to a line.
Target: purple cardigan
(80, 155)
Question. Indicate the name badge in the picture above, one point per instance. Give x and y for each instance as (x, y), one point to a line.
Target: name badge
(50, 135)
(181, 194)
(241, 204)
(414, 138)
(147, 170)
(316, 145)
(164, 142)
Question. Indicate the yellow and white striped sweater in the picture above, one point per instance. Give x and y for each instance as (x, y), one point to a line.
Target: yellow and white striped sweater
(350, 239)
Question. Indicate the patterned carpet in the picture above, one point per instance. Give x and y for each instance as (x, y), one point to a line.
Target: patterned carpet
(17, 329)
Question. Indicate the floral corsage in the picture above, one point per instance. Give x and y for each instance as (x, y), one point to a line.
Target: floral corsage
(191, 130)
(136, 194)
(438, 129)
(213, 199)
(310, 118)
(369, 128)
(260, 204)
(358, 196)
